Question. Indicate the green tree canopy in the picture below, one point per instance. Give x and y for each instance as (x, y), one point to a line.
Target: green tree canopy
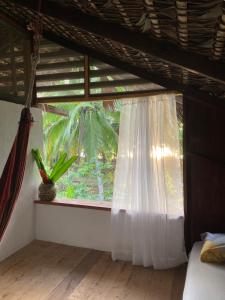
(90, 132)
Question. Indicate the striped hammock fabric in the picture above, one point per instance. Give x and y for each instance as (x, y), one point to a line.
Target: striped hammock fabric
(13, 173)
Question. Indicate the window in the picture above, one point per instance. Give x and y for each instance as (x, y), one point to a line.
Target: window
(90, 131)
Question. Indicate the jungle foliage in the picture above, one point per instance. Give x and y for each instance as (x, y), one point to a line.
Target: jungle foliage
(90, 132)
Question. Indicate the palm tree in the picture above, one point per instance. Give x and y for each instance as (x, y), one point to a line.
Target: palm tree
(90, 132)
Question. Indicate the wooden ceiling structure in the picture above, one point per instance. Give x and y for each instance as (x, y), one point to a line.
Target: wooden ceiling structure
(14, 64)
(178, 45)
(64, 75)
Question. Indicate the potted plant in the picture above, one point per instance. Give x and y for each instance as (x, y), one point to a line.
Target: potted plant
(47, 190)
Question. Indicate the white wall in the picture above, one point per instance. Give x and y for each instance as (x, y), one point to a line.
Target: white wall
(88, 228)
(74, 226)
(20, 230)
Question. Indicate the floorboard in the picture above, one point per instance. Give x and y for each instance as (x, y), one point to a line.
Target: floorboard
(47, 271)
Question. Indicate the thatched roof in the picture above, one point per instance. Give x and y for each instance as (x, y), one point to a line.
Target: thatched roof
(176, 44)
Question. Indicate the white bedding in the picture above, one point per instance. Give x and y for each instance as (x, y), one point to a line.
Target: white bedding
(203, 281)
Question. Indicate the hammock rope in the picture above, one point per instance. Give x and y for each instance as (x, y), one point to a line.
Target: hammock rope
(36, 28)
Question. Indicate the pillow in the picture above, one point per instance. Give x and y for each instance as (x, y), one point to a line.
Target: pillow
(213, 250)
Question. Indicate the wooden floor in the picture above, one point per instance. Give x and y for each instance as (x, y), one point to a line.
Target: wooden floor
(46, 270)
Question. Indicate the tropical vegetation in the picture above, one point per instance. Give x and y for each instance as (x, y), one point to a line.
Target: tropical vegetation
(89, 132)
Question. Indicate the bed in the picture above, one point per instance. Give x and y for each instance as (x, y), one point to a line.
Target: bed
(203, 281)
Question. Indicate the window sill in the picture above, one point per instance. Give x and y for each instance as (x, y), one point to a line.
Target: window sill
(97, 205)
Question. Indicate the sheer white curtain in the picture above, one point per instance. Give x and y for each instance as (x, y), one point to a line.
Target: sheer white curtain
(147, 207)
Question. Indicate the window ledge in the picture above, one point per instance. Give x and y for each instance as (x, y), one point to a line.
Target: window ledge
(97, 205)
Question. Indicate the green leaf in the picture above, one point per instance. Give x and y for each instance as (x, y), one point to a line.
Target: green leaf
(35, 156)
(38, 158)
(60, 161)
(53, 138)
(64, 167)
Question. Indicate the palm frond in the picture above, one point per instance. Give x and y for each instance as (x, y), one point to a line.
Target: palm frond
(53, 138)
(89, 129)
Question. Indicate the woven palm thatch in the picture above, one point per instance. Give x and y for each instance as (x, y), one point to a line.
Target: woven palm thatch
(196, 27)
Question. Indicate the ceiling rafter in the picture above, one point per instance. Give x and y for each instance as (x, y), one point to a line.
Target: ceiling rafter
(166, 52)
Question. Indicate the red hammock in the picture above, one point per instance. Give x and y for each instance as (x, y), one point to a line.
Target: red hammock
(13, 173)
(12, 176)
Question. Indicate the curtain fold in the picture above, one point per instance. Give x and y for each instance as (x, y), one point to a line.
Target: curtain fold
(147, 207)
(12, 176)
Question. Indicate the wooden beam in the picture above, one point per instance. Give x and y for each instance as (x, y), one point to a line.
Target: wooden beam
(67, 75)
(112, 96)
(118, 83)
(46, 66)
(165, 51)
(53, 110)
(60, 87)
(86, 85)
(71, 75)
(107, 72)
(108, 104)
(62, 53)
(86, 76)
(156, 78)
(59, 76)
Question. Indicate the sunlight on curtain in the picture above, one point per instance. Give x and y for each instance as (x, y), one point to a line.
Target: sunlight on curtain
(148, 185)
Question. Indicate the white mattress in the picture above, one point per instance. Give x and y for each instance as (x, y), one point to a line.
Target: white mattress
(203, 281)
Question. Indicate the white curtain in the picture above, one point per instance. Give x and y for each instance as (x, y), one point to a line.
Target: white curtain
(147, 207)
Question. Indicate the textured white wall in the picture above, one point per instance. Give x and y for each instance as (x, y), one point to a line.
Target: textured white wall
(88, 228)
(67, 225)
(20, 230)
